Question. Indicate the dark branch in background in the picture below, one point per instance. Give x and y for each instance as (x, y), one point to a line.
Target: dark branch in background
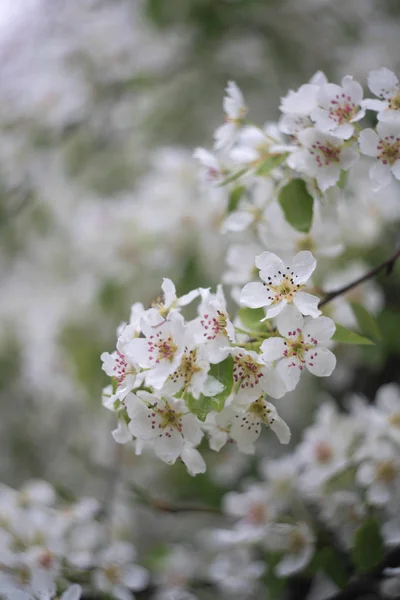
(387, 266)
(368, 585)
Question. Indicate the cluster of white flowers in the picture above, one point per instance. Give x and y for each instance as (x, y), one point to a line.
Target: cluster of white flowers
(48, 546)
(175, 379)
(345, 469)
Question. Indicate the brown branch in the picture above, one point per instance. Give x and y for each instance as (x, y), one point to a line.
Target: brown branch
(386, 265)
(370, 582)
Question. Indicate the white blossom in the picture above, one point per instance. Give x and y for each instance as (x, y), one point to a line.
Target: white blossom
(302, 346)
(339, 107)
(282, 285)
(322, 156)
(235, 111)
(384, 84)
(383, 145)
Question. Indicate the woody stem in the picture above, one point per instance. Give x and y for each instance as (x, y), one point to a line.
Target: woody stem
(386, 265)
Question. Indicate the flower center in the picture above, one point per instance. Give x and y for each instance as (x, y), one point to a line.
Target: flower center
(389, 149)
(164, 348)
(112, 572)
(386, 471)
(213, 326)
(296, 542)
(325, 153)
(286, 289)
(323, 452)
(121, 368)
(46, 560)
(394, 102)
(257, 514)
(246, 371)
(260, 410)
(299, 349)
(305, 243)
(342, 109)
(187, 368)
(169, 418)
(395, 420)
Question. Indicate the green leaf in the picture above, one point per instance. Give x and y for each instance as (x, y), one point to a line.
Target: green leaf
(251, 318)
(297, 205)
(344, 479)
(368, 549)
(366, 322)
(275, 585)
(345, 336)
(270, 163)
(334, 565)
(223, 371)
(233, 177)
(235, 197)
(342, 179)
(201, 406)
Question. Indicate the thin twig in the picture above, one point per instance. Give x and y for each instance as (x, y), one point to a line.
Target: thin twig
(386, 265)
(369, 583)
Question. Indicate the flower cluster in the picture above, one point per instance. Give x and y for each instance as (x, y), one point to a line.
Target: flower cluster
(174, 380)
(345, 471)
(49, 546)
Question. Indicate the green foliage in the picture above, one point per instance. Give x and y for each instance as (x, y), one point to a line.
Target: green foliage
(297, 205)
(201, 406)
(251, 318)
(270, 163)
(332, 563)
(366, 322)
(275, 585)
(342, 480)
(234, 198)
(345, 336)
(233, 177)
(368, 549)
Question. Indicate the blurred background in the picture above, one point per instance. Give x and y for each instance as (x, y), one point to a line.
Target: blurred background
(101, 105)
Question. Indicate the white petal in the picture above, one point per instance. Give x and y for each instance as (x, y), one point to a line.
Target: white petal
(135, 577)
(237, 221)
(348, 157)
(169, 448)
(72, 593)
(368, 141)
(322, 363)
(381, 174)
(269, 264)
(273, 384)
(382, 82)
(245, 434)
(378, 494)
(255, 295)
(169, 291)
(274, 310)
(321, 329)
(122, 434)
(137, 351)
(187, 298)
(307, 304)
(281, 430)
(191, 429)
(396, 169)
(272, 349)
(290, 374)
(327, 176)
(290, 319)
(193, 460)
(303, 266)
(372, 104)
